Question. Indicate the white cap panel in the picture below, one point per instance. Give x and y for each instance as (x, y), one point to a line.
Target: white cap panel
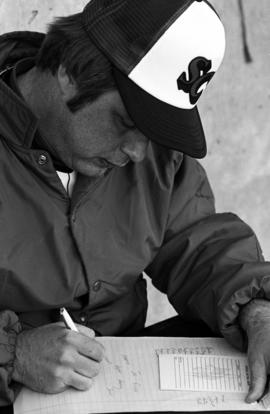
(157, 73)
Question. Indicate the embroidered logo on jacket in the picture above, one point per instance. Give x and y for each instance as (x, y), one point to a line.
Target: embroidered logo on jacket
(198, 74)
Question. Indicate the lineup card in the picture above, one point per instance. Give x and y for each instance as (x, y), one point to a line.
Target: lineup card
(203, 373)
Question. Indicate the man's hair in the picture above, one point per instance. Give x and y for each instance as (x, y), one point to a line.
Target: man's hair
(68, 44)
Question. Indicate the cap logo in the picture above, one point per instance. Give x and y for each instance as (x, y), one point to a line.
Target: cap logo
(198, 75)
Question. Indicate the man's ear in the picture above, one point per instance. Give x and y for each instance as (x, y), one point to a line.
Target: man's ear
(66, 83)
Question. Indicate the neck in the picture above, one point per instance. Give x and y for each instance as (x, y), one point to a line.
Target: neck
(34, 87)
(39, 90)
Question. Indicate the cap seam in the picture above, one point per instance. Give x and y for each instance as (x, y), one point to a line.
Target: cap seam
(99, 16)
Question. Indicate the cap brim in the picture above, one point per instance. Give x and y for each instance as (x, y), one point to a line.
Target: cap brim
(175, 128)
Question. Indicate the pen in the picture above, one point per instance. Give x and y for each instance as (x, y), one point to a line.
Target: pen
(67, 320)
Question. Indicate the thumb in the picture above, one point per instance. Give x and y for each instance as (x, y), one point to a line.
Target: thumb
(258, 380)
(86, 331)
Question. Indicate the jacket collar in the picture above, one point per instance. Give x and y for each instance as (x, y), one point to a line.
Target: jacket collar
(18, 124)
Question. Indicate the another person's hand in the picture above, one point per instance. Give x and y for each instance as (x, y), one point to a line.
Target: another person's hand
(51, 358)
(255, 320)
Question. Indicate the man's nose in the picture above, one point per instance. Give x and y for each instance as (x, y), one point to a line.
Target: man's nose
(135, 146)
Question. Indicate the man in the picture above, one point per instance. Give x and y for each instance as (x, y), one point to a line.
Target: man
(99, 134)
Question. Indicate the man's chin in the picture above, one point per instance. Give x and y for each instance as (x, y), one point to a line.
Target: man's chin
(95, 172)
(95, 169)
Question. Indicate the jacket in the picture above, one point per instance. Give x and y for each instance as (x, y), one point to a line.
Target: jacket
(88, 253)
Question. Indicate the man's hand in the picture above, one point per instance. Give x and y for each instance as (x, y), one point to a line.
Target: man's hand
(255, 320)
(52, 358)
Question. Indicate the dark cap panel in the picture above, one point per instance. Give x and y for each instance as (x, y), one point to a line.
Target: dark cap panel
(125, 30)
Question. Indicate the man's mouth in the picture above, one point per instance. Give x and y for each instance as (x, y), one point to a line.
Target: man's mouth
(103, 163)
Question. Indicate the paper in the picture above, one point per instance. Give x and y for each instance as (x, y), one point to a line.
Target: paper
(203, 373)
(129, 382)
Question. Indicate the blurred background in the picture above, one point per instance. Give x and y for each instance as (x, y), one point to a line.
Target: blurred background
(235, 111)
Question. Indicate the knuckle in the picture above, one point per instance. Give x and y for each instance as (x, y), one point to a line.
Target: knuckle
(65, 356)
(57, 372)
(67, 336)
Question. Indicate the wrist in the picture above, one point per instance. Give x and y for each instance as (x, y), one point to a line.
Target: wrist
(254, 314)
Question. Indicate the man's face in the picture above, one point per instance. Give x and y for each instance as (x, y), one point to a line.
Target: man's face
(101, 136)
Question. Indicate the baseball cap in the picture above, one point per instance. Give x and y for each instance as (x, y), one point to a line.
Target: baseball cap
(164, 53)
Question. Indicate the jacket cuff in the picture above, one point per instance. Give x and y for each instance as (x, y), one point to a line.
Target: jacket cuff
(10, 327)
(229, 323)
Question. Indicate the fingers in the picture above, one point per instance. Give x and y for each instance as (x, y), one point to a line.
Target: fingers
(258, 379)
(86, 367)
(84, 341)
(79, 382)
(88, 347)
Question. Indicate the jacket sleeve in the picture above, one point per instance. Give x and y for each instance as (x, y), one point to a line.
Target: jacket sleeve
(209, 264)
(9, 329)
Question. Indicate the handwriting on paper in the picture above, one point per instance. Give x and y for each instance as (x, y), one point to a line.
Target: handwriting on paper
(211, 401)
(121, 375)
